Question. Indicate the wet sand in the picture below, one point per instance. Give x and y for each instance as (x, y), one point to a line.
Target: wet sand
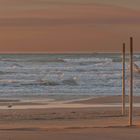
(101, 123)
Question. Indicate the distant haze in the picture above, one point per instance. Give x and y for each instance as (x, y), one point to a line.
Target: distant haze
(68, 25)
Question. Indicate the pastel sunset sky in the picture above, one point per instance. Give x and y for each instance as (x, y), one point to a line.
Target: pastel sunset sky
(68, 25)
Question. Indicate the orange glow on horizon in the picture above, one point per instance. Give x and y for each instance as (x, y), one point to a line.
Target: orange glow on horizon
(66, 27)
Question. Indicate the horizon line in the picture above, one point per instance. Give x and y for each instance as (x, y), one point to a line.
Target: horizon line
(100, 52)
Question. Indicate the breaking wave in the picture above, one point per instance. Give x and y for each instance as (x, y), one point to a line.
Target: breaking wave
(70, 82)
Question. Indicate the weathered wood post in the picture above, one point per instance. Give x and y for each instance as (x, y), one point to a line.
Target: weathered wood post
(131, 84)
(123, 80)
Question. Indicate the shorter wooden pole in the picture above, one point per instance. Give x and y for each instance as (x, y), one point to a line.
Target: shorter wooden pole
(123, 80)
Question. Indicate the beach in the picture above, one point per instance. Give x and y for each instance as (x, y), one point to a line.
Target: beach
(69, 70)
(94, 118)
(65, 96)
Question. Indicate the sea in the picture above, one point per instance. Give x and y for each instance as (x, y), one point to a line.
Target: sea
(64, 76)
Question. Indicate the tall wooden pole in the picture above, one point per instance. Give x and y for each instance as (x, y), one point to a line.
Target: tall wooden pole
(123, 80)
(131, 84)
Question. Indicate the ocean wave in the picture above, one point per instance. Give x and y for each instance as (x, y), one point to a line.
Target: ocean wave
(2, 72)
(55, 60)
(5, 72)
(70, 82)
(16, 66)
(47, 83)
(9, 83)
(19, 83)
(32, 60)
(8, 60)
(93, 60)
(116, 59)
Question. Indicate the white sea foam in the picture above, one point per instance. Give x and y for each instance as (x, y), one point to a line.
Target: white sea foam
(31, 75)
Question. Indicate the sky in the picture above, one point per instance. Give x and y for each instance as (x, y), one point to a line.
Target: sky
(57, 26)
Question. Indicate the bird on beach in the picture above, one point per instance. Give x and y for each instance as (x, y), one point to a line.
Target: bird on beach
(10, 106)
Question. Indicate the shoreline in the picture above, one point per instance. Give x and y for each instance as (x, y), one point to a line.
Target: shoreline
(87, 101)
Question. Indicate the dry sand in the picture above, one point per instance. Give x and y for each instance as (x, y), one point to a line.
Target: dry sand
(99, 123)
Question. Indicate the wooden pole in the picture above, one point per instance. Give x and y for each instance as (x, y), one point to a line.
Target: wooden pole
(123, 80)
(131, 84)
